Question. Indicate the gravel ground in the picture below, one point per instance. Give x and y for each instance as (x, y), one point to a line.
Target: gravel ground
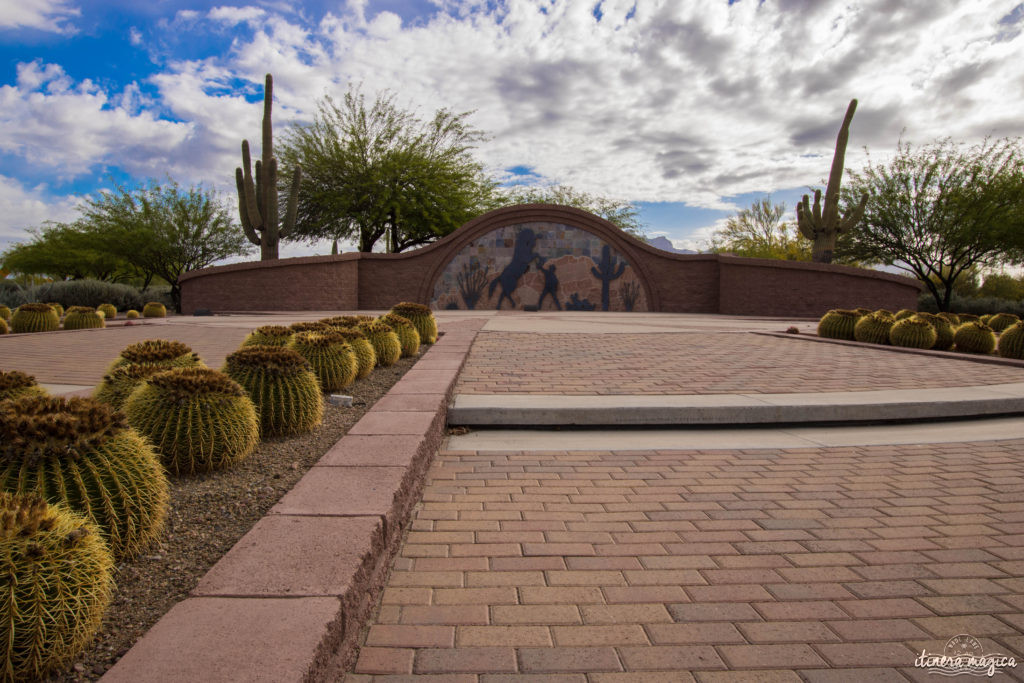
(208, 514)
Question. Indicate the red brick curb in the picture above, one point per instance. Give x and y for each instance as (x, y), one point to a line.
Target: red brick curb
(289, 600)
(949, 355)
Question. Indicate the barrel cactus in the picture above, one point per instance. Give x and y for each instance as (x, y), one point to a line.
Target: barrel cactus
(309, 326)
(109, 311)
(974, 337)
(838, 324)
(913, 332)
(81, 453)
(953, 318)
(422, 317)
(331, 358)
(1001, 321)
(154, 309)
(83, 318)
(384, 341)
(903, 313)
(406, 332)
(366, 357)
(943, 330)
(968, 317)
(1011, 342)
(198, 419)
(5, 313)
(118, 384)
(57, 583)
(3, 326)
(163, 352)
(282, 386)
(885, 311)
(56, 307)
(131, 314)
(347, 320)
(986, 318)
(863, 311)
(15, 384)
(35, 318)
(269, 335)
(873, 328)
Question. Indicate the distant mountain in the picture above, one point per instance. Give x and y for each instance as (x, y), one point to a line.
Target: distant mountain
(663, 243)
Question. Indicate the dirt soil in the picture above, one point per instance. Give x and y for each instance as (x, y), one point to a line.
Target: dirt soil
(208, 514)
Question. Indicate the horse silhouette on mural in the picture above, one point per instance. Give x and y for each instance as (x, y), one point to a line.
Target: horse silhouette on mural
(523, 255)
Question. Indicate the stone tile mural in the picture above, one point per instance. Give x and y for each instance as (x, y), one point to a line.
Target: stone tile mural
(545, 265)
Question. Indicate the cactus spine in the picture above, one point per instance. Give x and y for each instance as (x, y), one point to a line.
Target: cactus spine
(1011, 342)
(257, 198)
(198, 419)
(57, 582)
(823, 226)
(838, 324)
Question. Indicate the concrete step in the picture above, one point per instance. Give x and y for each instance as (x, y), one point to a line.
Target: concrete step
(539, 410)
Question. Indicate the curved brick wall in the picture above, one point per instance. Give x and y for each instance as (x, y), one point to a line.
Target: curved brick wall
(516, 254)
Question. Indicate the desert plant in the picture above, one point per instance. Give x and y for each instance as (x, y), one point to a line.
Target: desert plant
(873, 328)
(90, 293)
(269, 335)
(3, 326)
(347, 320)
(154, 309)
(1001, 321)
(863, 311)
(309, 326)
(82, 318)
(282, 386)
(56, 307)
(5, 313)
(1011, 342)
(198, 419)
(974, 336)
(384, 341)
(606, 270)
(968, 317)
(421, 316)
(35, 318)
(838, 324)
(986, 317)
(81, 453)
(57, 582)
(943, 330)
(163, 352)
(913, 332)
(903, 313)
(109, 310)
(366, 357)
(330, 356)
(131, 314)
(118, 384)
(15, 384)
(406, 332)
(952, 318)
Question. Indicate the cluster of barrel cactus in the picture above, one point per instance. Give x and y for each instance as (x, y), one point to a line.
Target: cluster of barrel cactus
(1002, 333)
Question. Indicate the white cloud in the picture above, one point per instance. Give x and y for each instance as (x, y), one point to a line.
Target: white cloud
(44, 15)
(29, 207)
(236, 15)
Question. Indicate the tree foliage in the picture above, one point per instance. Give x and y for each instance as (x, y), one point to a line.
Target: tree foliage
(374, 172)
(624, 215)
(941, 209)
(64, 251)
(760, 232)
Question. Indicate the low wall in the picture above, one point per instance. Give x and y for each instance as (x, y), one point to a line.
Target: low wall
(546, 257)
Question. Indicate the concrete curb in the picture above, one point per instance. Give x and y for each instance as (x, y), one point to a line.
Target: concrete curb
(288, 602)
(503, 410)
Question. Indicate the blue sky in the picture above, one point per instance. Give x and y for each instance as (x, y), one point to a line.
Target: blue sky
(692, 109)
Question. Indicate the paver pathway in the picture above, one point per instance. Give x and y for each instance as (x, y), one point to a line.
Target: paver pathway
(830, 564)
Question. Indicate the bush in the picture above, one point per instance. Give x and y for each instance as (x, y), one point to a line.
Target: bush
(57, 574)
(89, 293)
(12, 294)
(82, 454)
(977, 306)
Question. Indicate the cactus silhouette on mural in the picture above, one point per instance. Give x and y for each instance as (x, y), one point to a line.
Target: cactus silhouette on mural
(257, 195)
(606, 271)
(824, 225)
(472, 281)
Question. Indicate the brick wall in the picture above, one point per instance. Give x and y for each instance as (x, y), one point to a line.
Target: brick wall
(674, 283)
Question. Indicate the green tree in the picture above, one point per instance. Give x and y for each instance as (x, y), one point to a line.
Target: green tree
(64, 251)
(1002, 286)
(163, 230)
(760, 232)
(624, 215)
(941, 209)
(373, 172)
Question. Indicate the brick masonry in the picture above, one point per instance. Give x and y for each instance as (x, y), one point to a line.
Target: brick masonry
(703, 283)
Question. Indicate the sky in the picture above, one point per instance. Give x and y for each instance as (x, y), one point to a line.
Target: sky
(691, 109)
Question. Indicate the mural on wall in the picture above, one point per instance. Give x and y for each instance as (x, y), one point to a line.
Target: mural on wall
(539, 266)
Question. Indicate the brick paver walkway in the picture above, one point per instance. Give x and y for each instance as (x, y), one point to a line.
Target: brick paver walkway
(702, 363)
(608, 566)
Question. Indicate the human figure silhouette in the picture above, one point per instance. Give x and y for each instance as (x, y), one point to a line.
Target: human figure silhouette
(550, 285)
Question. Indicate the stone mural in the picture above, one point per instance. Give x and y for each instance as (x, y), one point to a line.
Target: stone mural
(539, 266)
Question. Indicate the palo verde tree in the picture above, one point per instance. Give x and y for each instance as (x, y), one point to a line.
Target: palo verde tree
(623, 215)
(941, 210)
(375, 172)
(760, 232)
(65, 251)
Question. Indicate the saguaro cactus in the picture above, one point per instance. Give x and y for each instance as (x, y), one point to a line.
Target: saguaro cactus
(257, 199)
(824, 225)
(606, 271)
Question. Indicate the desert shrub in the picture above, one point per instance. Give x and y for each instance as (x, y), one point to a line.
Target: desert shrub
(12, 294)
(80, 453)
(281, 385)
(976, 305)
(57, 582)
(198, 419)
(90, 293)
